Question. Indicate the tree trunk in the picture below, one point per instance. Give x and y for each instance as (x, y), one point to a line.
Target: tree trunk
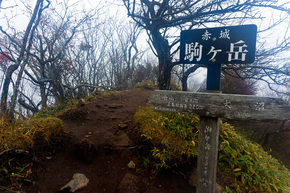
(162, 48)
(187, 73)
(15, 92)
(164, 77)
(8, 77)
(13, 68)
(184, 82)
(43, 96)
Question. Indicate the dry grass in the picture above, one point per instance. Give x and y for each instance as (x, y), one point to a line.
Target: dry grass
(20, 145)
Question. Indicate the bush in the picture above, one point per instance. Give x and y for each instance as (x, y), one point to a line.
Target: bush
(53, 110)
(247, 166)
(145, 84)
(174, 85)
(19, 143)
(244, 165)
(172, 137)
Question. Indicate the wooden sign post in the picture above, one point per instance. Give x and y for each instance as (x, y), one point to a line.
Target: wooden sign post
(211, 106)
(215, 46)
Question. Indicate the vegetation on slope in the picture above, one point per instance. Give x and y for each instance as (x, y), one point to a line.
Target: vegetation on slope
(20, 144)
(244, 165)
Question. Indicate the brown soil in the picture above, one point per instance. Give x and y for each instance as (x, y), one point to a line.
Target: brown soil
(99, 144)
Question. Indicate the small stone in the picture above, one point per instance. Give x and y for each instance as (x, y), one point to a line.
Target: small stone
(131, 165)
(122, 125)
(129, 184)
(78, 181)
(81, 103)
(218, 188)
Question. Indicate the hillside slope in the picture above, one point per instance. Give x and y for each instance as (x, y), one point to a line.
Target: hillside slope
(97, 143)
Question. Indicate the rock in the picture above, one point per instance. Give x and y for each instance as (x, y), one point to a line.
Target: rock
(129, 184)
(81, 103)
(78, 181)
(123, 126)
(218, 188)
(131, 165)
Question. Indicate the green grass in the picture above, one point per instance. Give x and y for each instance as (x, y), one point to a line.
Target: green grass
(172, 139)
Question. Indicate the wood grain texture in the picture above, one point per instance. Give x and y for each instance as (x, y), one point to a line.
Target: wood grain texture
(207, 154)
(242, 107)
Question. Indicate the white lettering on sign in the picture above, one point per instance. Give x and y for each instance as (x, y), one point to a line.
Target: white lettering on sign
(225, 34)
(165, 109)
(212, 50)
(190, 100)
(208, 129)
(237, 51)
(205, 182)
(193, 50)
(206, 35)
(182, 104)
(228, 104)
(259, 106)
(207, 148)
(242, 114)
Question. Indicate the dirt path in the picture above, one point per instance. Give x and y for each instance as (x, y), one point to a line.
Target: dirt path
(97, 143)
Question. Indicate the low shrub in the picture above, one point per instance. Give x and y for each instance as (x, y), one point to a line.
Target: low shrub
(172, 140)
(53, 110)
(174, 85)
(145, 84)
(247, 166)
(172, 137)
(19, 145)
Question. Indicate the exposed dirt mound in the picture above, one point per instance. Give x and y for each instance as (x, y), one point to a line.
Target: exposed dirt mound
(97, 143)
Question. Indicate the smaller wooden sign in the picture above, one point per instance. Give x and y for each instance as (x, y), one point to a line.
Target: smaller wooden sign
(242, 107)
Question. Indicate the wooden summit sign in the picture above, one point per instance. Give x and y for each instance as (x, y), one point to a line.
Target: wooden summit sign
(213, 47)
(242, 107)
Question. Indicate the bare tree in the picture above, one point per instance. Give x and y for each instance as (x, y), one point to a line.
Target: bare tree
(123, 52)
(19, 58)
(40, 54)
(107, 55)
(161, 18)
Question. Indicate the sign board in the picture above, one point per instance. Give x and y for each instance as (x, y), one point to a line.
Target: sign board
(221, 45)
(242, 107)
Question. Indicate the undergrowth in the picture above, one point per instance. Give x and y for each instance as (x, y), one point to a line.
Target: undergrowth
(20, 143)
(53, 110)
(173, 139)
(145, 84)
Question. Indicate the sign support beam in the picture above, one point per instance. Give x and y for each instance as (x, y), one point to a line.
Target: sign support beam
(207, 154)
(208, 139)
(213, 80)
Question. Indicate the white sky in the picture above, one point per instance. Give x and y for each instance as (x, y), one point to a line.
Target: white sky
(20, 19)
